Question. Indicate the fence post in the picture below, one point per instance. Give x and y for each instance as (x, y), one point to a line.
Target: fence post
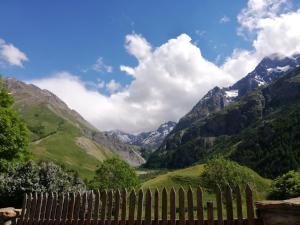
(249, 202)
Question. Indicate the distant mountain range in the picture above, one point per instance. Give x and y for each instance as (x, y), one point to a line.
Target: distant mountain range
(243, 122)
(150, 140)
(62, 135)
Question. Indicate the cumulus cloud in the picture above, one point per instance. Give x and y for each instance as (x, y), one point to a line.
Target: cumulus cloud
(11, 55)
(168, 81)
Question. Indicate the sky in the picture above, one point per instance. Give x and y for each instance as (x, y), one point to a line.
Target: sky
(132, 65)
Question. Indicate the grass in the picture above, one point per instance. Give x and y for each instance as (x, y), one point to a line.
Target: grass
(191, 177)
(56, 139)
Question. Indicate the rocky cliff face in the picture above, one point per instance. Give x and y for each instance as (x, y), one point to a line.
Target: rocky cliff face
(149, 140)
(259, 128)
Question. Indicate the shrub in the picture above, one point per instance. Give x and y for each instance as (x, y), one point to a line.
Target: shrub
(286, 186)
(219, 171)
(31, 177)
(114, 173)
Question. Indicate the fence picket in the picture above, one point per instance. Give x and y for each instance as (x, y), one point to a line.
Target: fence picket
(156, 206)
(85, 209)
(190, 206)
(117, 206)
(96, 208)
(164, 206)
(249, 203)
(148, 208)
(173, 206)
(239, 207)
(124, 205)
(140, 207)
(77, 208)
(103, 206)
(210, 213)
(219, 205)
(229, 209)
(200, 215)
(131, 207)
(181, 206)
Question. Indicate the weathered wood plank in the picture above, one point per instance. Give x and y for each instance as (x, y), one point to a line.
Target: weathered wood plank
(249, 203)
(77, 208)
(54, 206)
(239, 206)
(164, 207)
(96, 207)
(29, 202)
(148, 207)
(82, 214)
(33, 208)
(181, 193)
(156, 207)
(109, 207)
(49, 206)
(210, 213)
(190, 206)
(200, 213)
(124, 207)
(90, 208)
(59, 209)
(24, 207)
(103, 206)
(219, 205)
(71, 207)
(117, 206)
(173, 206)
(140, 207)
(43, 207)
(64, 215)
(132, 199)
(229, 207)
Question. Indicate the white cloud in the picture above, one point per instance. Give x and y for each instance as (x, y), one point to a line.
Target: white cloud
(224, 19)
(168, 81)
(9, 54)
(100, 66)
(113, 86)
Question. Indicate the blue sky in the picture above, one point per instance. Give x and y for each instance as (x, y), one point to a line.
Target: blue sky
(71, 35)
(132, 65)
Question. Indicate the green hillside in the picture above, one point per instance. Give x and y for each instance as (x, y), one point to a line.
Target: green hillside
(56, 139)
(191, 176)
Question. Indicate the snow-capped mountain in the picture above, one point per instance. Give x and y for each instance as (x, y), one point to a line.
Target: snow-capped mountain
(268, 70)
(150, 140)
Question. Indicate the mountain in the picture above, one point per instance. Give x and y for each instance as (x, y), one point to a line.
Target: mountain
(62, 135)
(149, 140)
(255, 122)
(268, 70)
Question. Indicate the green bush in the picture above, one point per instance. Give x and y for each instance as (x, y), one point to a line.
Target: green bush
(114, 173)
(31, 177)
(219, 171)
(13, 132)
(286, 186)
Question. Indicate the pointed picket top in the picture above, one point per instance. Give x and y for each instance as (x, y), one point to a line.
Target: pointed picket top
(173, 206)
(229, 205)
(239, 207)
(132, 198)
(148, 207)
(249, 203)
(103, 204)
(77, 206)
(190, 205)
(164, 206)
(156, 205)
(200, 213)
(117, 205)
(140, 207)
(219, 205)
(124, 205)
(181, 193)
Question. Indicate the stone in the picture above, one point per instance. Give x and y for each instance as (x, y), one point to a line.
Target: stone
(284, 212)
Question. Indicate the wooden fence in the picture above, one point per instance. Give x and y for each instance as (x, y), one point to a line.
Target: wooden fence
(119, 208)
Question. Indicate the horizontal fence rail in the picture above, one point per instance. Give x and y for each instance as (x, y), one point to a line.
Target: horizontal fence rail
(143, 208)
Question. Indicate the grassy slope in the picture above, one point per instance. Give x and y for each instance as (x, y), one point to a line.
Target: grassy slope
(190, 176)
(54, 138)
